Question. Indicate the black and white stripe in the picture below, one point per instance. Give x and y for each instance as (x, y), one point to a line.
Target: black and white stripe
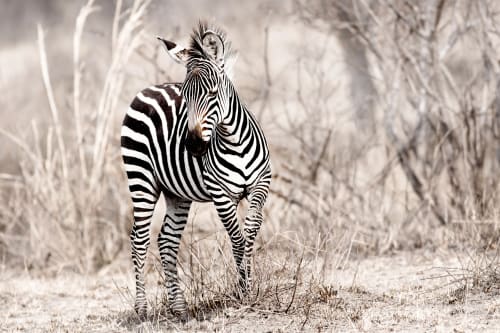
(193, 141)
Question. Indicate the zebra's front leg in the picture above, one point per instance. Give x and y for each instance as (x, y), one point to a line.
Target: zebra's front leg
(169, 239)
(226, 210)
(253, 221)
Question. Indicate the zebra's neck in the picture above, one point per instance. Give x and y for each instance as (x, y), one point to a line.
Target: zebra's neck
(235, 126)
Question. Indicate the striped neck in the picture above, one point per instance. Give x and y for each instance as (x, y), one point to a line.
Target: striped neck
(232, 127)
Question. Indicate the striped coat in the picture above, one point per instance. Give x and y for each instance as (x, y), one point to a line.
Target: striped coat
(194, 141)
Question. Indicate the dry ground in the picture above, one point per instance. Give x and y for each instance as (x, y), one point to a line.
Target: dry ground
(402, 292)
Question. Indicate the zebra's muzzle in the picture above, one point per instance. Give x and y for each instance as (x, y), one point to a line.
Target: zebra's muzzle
(195, 144)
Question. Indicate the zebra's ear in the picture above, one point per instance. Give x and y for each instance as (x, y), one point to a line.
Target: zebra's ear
(176, 52)
(213, 45)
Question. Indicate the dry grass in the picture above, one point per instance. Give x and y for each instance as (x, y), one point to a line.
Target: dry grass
(362, 297)
(69, 176)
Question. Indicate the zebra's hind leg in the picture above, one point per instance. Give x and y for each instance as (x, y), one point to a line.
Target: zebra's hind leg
(253, 221)
(169, 239)
(144, 204)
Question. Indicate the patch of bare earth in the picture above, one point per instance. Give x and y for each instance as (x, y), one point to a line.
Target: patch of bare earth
(404, 292)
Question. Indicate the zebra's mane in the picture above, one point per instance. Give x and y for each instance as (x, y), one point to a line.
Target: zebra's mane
(196, 50)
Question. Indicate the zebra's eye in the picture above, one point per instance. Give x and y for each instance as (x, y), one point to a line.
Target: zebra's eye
(213, 91)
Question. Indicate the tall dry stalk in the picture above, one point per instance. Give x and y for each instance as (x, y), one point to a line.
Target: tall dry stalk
(67, 209)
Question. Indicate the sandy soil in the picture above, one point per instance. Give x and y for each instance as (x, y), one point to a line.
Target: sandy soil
(402, 292)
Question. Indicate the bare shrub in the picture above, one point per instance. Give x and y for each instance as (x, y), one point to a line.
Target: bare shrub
(436, 74)
(66, 207)
(446, 139)
(291, 280)
(329, 175)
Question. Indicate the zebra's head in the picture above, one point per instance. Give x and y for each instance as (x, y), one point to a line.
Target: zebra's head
(206, 87)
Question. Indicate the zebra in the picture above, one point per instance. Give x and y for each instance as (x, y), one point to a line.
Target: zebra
(194, 141)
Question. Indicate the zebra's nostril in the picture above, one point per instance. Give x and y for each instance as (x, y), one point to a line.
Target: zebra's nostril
(197, 131)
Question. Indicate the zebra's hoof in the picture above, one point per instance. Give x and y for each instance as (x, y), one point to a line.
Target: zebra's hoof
(241, 290)
(182, 316)
(142, 313)
(179, 310)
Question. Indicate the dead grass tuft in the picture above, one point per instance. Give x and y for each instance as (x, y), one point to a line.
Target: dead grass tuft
(287, 282)
(66, 209)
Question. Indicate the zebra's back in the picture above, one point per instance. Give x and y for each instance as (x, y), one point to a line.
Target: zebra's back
(153, 147)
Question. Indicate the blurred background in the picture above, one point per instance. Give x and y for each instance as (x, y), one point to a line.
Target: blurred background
(383, 119)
